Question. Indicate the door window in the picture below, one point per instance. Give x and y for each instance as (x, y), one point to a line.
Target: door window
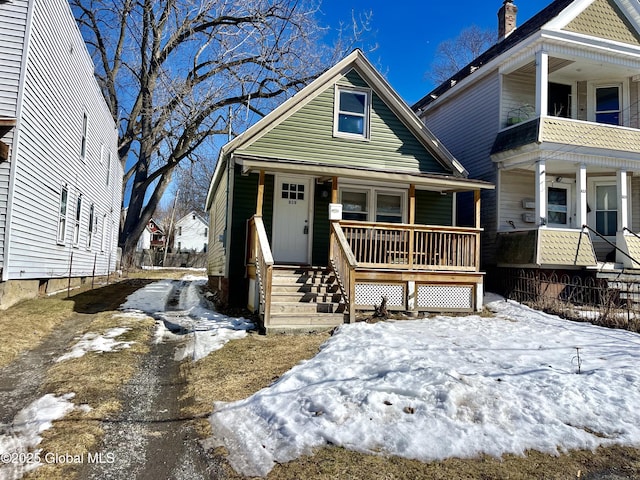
(557, 211)
(606, 210)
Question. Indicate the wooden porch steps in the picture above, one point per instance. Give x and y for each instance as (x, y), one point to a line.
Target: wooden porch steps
(305, 297)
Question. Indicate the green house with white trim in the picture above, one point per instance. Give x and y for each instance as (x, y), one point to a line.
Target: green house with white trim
(338, 200)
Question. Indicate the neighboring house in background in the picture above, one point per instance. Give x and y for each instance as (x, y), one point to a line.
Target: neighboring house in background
(338, 197)
(191, 233)
(60, 177)
(152, 238)
(550, 114)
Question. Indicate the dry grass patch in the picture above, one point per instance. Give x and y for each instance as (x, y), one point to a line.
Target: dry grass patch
(242, 368)
(25, 325)
(96, 379)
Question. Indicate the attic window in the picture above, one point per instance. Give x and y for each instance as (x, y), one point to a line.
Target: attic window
(351, 113)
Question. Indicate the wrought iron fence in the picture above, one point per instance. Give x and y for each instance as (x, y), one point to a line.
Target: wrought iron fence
(609, 303)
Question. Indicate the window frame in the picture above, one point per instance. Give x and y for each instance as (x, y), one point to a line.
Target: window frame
(92, 225)
(84, 138)
(596, 185)
(372, 194)
(63, 215)
(77, 221)
(366, 115)
(568, 191)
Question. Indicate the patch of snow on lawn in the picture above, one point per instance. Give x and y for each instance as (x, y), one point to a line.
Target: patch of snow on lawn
(24, 433)
(93, 342)
(445, 387)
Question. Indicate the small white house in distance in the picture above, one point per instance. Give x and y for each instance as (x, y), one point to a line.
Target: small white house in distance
(152, 237)
(190, 233)
(60, 177)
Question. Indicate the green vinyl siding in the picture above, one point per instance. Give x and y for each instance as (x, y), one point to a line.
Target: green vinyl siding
(245, 193)
(321, 227)
(307, 136)
(432, 208)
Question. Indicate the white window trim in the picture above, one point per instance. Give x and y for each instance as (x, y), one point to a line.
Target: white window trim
(92, 225)
(625, 99)
(372, 199)
(84, 136)
(103, 240)
(367, 113)
(77, 221)
(60, 239)
(594, 182)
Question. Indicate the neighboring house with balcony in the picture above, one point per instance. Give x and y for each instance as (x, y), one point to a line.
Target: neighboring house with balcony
(152, 237)
(60, 176)
(191, 234)
(550, 114)
(337, 198)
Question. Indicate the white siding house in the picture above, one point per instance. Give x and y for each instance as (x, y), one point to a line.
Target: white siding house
(60, 178)
(550, 114)
(191, 233)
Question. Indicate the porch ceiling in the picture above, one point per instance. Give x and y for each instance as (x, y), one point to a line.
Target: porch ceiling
(440, 183)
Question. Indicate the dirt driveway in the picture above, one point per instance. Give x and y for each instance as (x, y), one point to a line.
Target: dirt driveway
(143, 434)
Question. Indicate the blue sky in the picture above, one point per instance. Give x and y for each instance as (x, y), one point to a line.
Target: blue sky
(408, 33)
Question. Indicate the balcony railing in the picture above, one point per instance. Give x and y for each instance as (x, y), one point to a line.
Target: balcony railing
(413, 247)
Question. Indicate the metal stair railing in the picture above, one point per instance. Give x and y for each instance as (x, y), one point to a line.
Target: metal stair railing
(598, 234)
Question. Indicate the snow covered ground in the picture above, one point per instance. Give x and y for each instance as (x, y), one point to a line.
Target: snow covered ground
(446, 387)
(206, 330)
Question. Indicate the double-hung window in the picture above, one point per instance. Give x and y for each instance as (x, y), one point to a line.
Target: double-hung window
(76, 226)
(351, 115)
(62, 216)
(608, 105)
(92, 225)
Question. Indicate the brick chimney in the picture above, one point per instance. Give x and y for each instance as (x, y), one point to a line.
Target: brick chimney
(506, 19)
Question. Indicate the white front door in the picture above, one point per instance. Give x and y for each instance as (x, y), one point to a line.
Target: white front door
(291, 225)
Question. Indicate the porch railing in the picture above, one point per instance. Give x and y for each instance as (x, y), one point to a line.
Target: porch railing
(419, 247)
(261, 254)
(344, 266)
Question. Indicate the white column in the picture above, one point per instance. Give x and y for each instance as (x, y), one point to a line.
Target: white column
(542, 83)
(581, 196)
(623, 200)
(541, 193)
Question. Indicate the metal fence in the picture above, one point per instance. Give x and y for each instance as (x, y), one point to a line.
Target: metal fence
(614, 304)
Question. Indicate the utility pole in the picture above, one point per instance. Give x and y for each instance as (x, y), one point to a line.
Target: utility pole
(173, 212)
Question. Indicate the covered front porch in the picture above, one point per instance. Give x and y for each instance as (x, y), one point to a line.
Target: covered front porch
(373, 246)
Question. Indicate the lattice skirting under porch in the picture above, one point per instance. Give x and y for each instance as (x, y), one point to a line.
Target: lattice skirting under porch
(428, 297)
(445, 297)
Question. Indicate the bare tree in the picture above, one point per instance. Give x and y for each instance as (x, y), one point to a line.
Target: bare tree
(452, 55)
(171, 69)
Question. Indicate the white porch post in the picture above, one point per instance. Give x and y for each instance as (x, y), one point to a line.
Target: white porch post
(541, 193)
(581, 196)
(623, 200)
(542, 83)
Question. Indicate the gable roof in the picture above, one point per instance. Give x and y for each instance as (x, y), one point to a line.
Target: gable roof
(527, 30)
(192, 213)
(354, 61)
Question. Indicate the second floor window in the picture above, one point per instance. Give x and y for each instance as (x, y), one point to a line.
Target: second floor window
(608, 105)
